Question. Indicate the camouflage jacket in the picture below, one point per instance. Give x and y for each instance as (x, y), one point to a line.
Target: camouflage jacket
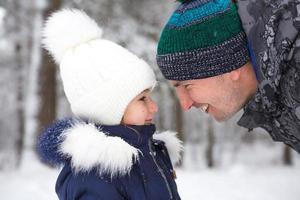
(272, 27)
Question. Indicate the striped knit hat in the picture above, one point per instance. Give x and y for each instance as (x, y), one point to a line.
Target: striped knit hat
(203, 38)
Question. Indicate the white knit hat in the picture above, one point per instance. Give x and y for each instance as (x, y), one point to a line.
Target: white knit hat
(100, 78)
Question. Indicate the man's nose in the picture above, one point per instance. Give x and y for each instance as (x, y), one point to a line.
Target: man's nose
(185, 101)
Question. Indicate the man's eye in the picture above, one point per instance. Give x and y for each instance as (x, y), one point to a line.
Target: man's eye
(186, 86)
(176, 85)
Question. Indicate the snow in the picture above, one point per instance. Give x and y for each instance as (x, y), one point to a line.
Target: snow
(2, 41)
(2, 14)
(32, 181)
(238, 182)
(6, 49)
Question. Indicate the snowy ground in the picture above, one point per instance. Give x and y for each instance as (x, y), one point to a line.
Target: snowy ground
(239, 182)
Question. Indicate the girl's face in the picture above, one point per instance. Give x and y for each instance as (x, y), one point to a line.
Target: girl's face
(140, 110)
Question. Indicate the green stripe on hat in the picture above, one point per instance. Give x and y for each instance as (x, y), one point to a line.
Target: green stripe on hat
(210, 32)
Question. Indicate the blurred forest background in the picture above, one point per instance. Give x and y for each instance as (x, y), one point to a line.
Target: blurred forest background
(31, 94)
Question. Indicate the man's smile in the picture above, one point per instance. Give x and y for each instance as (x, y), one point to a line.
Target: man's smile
(204, 107)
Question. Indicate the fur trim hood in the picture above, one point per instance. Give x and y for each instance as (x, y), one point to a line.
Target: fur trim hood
(89, 146)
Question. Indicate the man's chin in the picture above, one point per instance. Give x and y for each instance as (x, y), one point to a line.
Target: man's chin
(223, 118)
(218, 119)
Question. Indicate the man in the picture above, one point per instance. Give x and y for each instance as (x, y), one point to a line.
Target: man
(204, 52)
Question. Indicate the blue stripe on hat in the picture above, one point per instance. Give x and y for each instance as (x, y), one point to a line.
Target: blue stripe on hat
(211, 8)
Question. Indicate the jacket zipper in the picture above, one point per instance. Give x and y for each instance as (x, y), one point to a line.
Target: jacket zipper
(159, 169)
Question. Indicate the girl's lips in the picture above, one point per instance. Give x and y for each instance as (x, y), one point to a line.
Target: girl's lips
(148, 121)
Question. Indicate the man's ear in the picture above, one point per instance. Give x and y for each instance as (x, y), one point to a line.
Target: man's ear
(235, 74)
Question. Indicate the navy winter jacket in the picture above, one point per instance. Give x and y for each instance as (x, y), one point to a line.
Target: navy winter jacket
(111, 162)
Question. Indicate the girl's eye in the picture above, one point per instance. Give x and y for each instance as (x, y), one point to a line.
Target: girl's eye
(142, 98)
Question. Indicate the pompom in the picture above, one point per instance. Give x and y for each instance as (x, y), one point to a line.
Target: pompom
(67, 28)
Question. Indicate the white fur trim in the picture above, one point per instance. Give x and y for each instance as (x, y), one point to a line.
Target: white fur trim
(173, 144)
(66, 29)
(90, 148)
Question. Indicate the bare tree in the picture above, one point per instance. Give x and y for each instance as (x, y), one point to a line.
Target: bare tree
(47, 82)
(209, 152)
(287, 155)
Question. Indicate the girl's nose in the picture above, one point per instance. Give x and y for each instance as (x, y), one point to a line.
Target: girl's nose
(152, 106)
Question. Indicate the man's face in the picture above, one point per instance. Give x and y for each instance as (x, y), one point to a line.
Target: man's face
(218, 96)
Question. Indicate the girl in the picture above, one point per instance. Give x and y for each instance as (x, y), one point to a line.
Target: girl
(110, 150)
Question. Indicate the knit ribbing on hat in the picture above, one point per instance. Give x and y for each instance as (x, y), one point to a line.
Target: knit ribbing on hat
(202, 39)
(215, 60)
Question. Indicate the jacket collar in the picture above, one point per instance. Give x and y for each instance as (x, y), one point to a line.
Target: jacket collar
(132, 134)
(110, 150)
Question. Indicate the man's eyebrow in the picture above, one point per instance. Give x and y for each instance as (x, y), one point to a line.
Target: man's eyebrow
(179, 83)
(176, 84)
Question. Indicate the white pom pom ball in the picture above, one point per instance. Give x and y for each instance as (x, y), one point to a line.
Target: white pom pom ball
(66, 29)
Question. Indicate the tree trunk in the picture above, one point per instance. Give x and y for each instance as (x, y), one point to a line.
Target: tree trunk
(287, 155)
(20, 108)
(179, 120)
(47, 80)
(209, 153)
